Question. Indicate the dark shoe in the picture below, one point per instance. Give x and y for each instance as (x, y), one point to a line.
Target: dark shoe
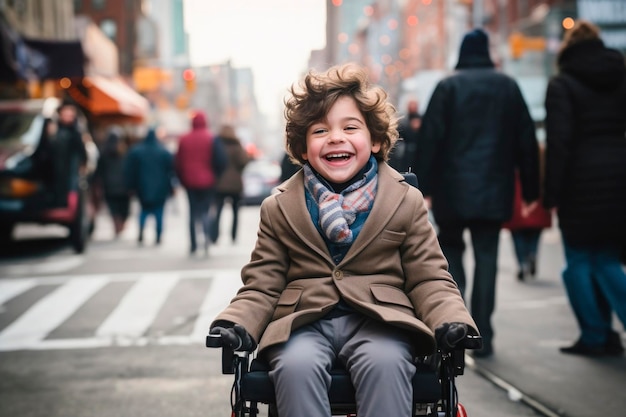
(532, 265)
(520, 275)
(580, 348)
(613, 346)
(140, 239)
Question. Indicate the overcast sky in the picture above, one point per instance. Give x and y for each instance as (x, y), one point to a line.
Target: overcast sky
(273, 37)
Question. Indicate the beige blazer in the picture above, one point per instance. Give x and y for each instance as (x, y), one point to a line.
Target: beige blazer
(394, 272)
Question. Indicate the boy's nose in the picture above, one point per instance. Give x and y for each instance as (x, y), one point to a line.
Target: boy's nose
(336, 135)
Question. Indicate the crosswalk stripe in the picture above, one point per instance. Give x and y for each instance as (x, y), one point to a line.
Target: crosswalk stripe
(223, 288)
(48, 313)
(138, 308)
(12, 289)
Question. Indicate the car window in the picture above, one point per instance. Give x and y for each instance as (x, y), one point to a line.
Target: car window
(20, 134)
(20, 131)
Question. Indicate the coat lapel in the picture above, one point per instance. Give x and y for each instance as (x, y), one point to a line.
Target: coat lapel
(293, 205)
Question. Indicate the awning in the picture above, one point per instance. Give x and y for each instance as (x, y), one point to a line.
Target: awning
(110, 96)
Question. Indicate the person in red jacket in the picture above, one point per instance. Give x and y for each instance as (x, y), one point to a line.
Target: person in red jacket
(526, 225)
(197, 172)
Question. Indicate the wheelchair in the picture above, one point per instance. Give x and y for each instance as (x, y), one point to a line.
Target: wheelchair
(434, 389)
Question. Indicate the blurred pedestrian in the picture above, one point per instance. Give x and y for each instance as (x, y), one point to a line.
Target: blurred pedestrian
(110, 177)
(586, 181)
(200, 160)
(404, 154)
(475, 133)
(230, 183)
(288, 167)
(149, 173)
(526, 225)
(69, 153)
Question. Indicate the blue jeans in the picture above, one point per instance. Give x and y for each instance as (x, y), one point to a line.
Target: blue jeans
(526, 244)
(200, 201)
(157, 212)
(485, 239)
(593, 277)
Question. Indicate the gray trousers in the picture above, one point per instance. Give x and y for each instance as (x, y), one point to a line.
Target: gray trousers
(378, 357)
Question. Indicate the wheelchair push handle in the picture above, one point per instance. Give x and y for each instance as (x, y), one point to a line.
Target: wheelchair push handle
(214, 341)
(472, 342)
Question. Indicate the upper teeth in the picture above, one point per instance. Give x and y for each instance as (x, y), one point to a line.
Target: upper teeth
(338, 155)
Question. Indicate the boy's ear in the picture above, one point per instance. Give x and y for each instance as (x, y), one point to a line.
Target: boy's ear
(375, 147)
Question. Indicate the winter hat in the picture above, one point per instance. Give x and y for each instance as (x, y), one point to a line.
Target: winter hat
(474, 50)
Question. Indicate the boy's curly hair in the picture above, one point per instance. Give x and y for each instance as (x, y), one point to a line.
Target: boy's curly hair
(312, 98)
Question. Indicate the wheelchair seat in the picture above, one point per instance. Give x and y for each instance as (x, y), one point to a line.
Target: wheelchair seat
(257, 386)
(434, 389)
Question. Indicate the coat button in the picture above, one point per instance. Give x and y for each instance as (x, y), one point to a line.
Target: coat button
(338, 274)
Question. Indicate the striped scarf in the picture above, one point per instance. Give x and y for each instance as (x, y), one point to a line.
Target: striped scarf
(338, 211)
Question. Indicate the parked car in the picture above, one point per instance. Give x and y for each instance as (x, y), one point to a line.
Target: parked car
(29, 187)
(260, 177)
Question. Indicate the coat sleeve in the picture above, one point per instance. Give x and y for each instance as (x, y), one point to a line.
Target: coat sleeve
(264, 279)
(432, 290)
(433, 132)
(559, 116)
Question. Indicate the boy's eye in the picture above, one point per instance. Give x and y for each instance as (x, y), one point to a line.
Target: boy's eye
(351, 127)
(318, 131)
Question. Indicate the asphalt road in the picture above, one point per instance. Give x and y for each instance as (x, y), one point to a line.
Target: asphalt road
(133, 344)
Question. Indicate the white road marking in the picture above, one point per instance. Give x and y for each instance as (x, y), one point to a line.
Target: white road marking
(138, 308)
(223, 288)
(47, 266)
(126, 325)
(11, 289)
(48, 313)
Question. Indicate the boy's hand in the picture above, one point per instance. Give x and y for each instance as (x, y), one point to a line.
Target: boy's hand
(235, 338)
(449, 335)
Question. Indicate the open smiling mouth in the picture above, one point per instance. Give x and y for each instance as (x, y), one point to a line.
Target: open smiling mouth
(338, 157)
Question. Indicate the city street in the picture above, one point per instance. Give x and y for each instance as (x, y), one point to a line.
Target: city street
(119, 330)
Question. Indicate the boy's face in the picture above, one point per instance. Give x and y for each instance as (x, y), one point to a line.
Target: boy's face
(339, 146)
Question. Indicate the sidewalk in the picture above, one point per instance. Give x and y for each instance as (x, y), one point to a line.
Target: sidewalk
(532, 320)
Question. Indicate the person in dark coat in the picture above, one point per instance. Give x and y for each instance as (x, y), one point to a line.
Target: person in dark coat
(586, 181)
(110, 176)
(402, 157)
(68, 151)
(198, 174)
(475, 133)
(230, 184)
(149, 173)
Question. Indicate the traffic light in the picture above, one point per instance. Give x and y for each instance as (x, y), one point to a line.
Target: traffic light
(189, 76)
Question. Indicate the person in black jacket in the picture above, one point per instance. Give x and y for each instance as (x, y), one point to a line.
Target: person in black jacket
(110, 176)
(402, 157)
(69, 153)
(586, 182)
(475, 133)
